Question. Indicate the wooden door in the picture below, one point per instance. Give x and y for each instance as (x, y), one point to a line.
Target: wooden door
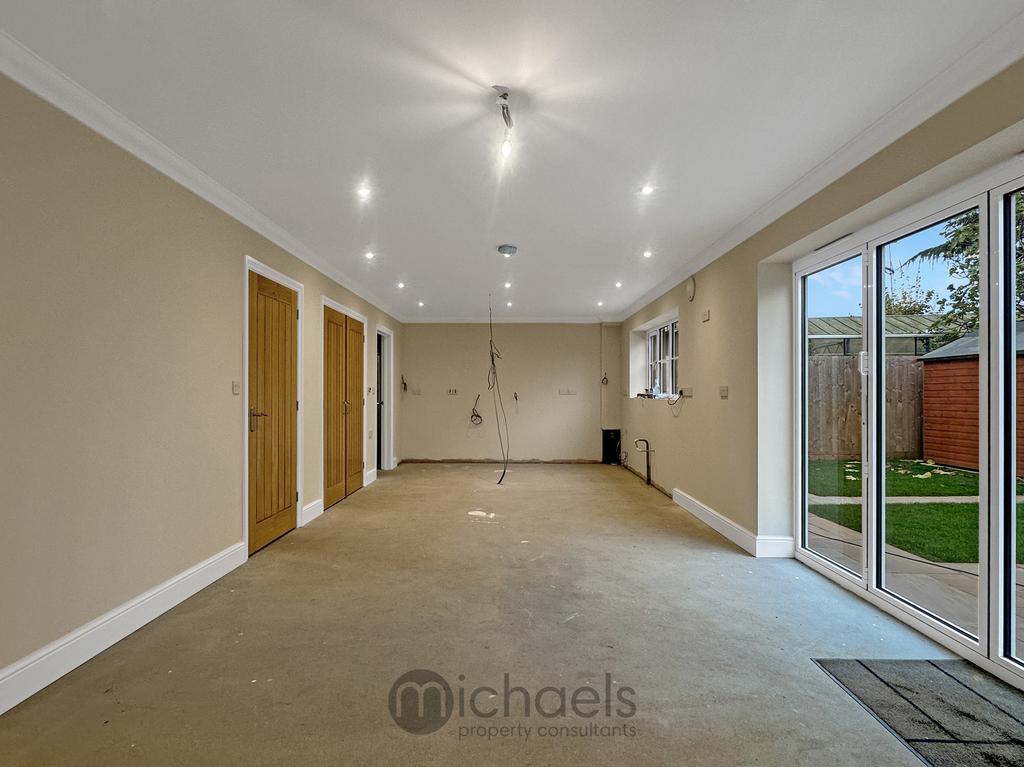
(354, 411)
(273, 410)
(335, 336)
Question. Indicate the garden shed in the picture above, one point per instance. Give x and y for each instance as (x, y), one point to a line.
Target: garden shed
(950, 411)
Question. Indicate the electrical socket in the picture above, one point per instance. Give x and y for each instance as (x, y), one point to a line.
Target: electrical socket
(452, 392)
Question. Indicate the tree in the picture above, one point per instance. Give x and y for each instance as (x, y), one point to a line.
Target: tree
(960, 307)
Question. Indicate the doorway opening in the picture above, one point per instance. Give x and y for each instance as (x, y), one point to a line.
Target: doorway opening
(908, 436)
(385, 399)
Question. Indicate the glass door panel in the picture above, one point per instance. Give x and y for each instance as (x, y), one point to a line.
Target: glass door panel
(928, 395)
(1013, 533)
(833, 332)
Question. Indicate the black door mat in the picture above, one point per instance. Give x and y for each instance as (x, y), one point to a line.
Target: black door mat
(948, 712)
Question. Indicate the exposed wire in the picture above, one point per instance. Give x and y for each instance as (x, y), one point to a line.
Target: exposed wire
(495, 388)
(474, 417)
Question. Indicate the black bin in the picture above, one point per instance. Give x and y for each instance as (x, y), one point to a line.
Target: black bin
(611, 445)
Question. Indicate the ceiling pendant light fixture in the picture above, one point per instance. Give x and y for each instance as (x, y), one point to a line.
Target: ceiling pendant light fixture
(506, 115)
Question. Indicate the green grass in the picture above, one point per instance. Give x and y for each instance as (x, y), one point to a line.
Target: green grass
(902, 477)
(939, 532)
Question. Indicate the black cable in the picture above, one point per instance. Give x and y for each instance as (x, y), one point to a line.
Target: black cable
(475, 418)
(495, 388)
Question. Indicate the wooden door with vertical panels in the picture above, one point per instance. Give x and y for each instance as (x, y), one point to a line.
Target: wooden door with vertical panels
(335, 336)
(273, 410)
(354, 410)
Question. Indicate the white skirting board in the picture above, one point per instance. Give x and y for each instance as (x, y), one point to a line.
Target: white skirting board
(758, 545)
(369, 477)
(310, 511)
(32, 673)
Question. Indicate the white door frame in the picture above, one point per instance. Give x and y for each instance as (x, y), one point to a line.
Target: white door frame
(252, 265)
(985, 190)
(387, 435)
(368, 476)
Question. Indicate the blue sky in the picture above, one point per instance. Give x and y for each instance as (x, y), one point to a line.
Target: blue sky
(836, 291)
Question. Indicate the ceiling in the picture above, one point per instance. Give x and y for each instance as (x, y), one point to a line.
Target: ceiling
(729, 110)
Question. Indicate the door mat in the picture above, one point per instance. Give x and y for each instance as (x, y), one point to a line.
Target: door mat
(948, 712)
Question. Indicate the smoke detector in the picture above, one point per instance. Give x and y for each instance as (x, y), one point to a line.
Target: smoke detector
(507, 250)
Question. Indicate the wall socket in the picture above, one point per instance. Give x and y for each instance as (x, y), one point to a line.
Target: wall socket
(723, 392)
(452, 392)
(566, 391)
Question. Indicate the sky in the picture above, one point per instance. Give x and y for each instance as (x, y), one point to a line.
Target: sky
(836, 291)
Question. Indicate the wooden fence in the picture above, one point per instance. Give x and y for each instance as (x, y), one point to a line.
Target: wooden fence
(834, 407)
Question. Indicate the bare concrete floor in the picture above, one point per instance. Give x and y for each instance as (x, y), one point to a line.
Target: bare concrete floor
(582, 570)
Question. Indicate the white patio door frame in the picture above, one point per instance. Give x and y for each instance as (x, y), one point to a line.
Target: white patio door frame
(987, 191)
(815, 263)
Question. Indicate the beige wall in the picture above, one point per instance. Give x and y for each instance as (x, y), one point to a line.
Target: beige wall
(537, 361)
(708, 447)
(120, 335)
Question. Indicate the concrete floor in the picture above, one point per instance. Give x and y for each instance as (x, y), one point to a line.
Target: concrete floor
(582, 570)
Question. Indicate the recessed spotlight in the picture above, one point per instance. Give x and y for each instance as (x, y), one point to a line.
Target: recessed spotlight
(401, 284)
(509, 304)
(618, 284)
(646, 189)
(600, 303)
(369, 254)
(363, 192)
(506, 148)
(508, 284)
(647, 254)
(421, 303)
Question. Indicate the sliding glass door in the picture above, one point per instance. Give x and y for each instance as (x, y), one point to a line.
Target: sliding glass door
(930, 422)
(910, 368)
(1008, 546)
(832, 320)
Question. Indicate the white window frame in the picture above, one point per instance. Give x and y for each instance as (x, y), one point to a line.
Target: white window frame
(662, 364)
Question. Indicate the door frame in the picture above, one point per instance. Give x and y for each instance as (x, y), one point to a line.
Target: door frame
(330, 302)
(996, 179)
(802, 269)
(258, 267)
(387, 435)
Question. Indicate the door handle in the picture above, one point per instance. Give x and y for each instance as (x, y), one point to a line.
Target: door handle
(348, 407)
(253, 414)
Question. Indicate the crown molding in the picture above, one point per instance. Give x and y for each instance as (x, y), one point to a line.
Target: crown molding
(534, 320)
(983, 62)
(32, 72)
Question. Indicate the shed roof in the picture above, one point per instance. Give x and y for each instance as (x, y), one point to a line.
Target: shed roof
(967, 347)
(917, 325)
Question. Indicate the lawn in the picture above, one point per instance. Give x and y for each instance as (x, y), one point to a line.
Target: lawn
(902, 477)
(939, 532)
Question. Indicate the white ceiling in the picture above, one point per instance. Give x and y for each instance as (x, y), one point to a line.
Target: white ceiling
(722, 106)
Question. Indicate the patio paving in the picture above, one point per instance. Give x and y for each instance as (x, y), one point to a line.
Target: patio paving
(948, 589)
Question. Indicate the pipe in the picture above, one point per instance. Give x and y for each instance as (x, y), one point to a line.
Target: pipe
(646, 449)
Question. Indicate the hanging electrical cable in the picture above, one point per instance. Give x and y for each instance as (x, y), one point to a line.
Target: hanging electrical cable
(495, 388)
(474, 417)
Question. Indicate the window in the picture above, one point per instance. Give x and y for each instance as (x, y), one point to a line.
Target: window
(663, 360)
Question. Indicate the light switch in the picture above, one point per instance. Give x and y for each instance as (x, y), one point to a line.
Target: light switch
(723, 392)
(567, 391)
(236, 387)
